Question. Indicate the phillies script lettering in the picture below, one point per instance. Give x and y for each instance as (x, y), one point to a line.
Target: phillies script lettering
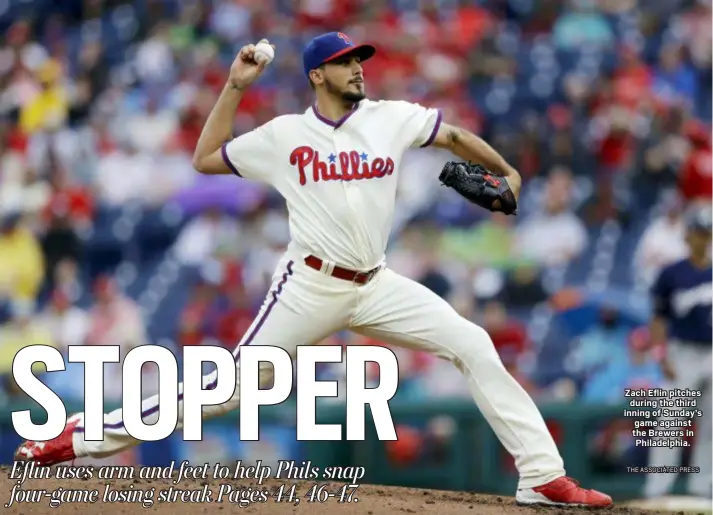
(345, 166)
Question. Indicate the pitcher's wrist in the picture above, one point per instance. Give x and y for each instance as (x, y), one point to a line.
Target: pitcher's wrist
(236, 86)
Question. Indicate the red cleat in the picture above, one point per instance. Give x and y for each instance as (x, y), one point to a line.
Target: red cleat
(50, 452)
(563, 491)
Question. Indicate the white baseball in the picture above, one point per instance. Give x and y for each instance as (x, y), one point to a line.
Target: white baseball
(264, 51)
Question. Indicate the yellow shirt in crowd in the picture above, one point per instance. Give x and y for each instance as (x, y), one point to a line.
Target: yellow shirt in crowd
(47, 110)
(21, 264)
(16, 336)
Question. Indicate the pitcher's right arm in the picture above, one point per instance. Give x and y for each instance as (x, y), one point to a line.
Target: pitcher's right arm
(208, 156)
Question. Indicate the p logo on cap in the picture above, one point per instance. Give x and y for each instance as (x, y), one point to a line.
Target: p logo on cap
(330, 46)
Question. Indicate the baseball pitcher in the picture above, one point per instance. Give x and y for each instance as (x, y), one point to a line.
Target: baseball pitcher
(337, 165)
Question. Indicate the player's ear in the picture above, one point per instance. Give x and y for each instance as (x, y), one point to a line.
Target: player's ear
(316, 76)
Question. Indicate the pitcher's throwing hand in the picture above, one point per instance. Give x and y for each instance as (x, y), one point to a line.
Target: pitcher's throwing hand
(246, 68)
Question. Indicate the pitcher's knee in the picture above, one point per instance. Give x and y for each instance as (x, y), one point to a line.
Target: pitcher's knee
(471, 343)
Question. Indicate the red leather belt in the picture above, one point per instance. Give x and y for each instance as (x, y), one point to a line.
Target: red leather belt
(343, 273)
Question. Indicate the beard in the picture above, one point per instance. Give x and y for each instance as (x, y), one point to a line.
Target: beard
(346, 96)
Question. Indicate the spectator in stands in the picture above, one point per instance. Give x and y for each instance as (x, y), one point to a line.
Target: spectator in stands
(692, 27)
(166, 186)
(22, 330)
(513, 344)
(579, 93)
(492, 237)
(487, 61)
(115, 319)
(21, 260)
(22, 52)
(523, 287)
(528, 141)
(535, 20)
(206, 305)
(564, 150)
(154, 61)
(555, 235)
(463, 302)
(69, 199)
(508, 334)
(695, 175)
(432, 277)
(191, 322)
(404, 255)
(614, 137)
(204, 235)
(124, 174)
(605, 342)
(49, 108)
(582, 26)
(150, 129)
(235, 318)
(662, 243)
(189, 331)
(639, 369)
(68, 324)
(632, 79)
(66, 279)
(69, 211)
(664, 152)
(260, 262)
(19, 184)
(674, 80)
(60, 242)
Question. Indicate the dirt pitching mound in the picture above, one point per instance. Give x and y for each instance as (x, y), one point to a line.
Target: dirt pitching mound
(365, 500)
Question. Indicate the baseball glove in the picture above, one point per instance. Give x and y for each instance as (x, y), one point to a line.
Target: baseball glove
(480, 186)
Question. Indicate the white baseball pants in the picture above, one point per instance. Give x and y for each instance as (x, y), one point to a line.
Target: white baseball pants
(304, 306)
(692, 366)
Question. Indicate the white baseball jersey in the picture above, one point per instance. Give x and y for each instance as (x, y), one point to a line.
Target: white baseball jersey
(338, 178)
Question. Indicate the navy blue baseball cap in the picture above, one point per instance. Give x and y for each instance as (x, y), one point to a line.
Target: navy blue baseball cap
(330, 46)
(699, 218)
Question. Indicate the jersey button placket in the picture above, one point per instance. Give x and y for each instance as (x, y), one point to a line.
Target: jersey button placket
(351, 192)
(337, 162)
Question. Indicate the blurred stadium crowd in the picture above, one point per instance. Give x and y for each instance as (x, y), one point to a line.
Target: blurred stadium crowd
(109, 237)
